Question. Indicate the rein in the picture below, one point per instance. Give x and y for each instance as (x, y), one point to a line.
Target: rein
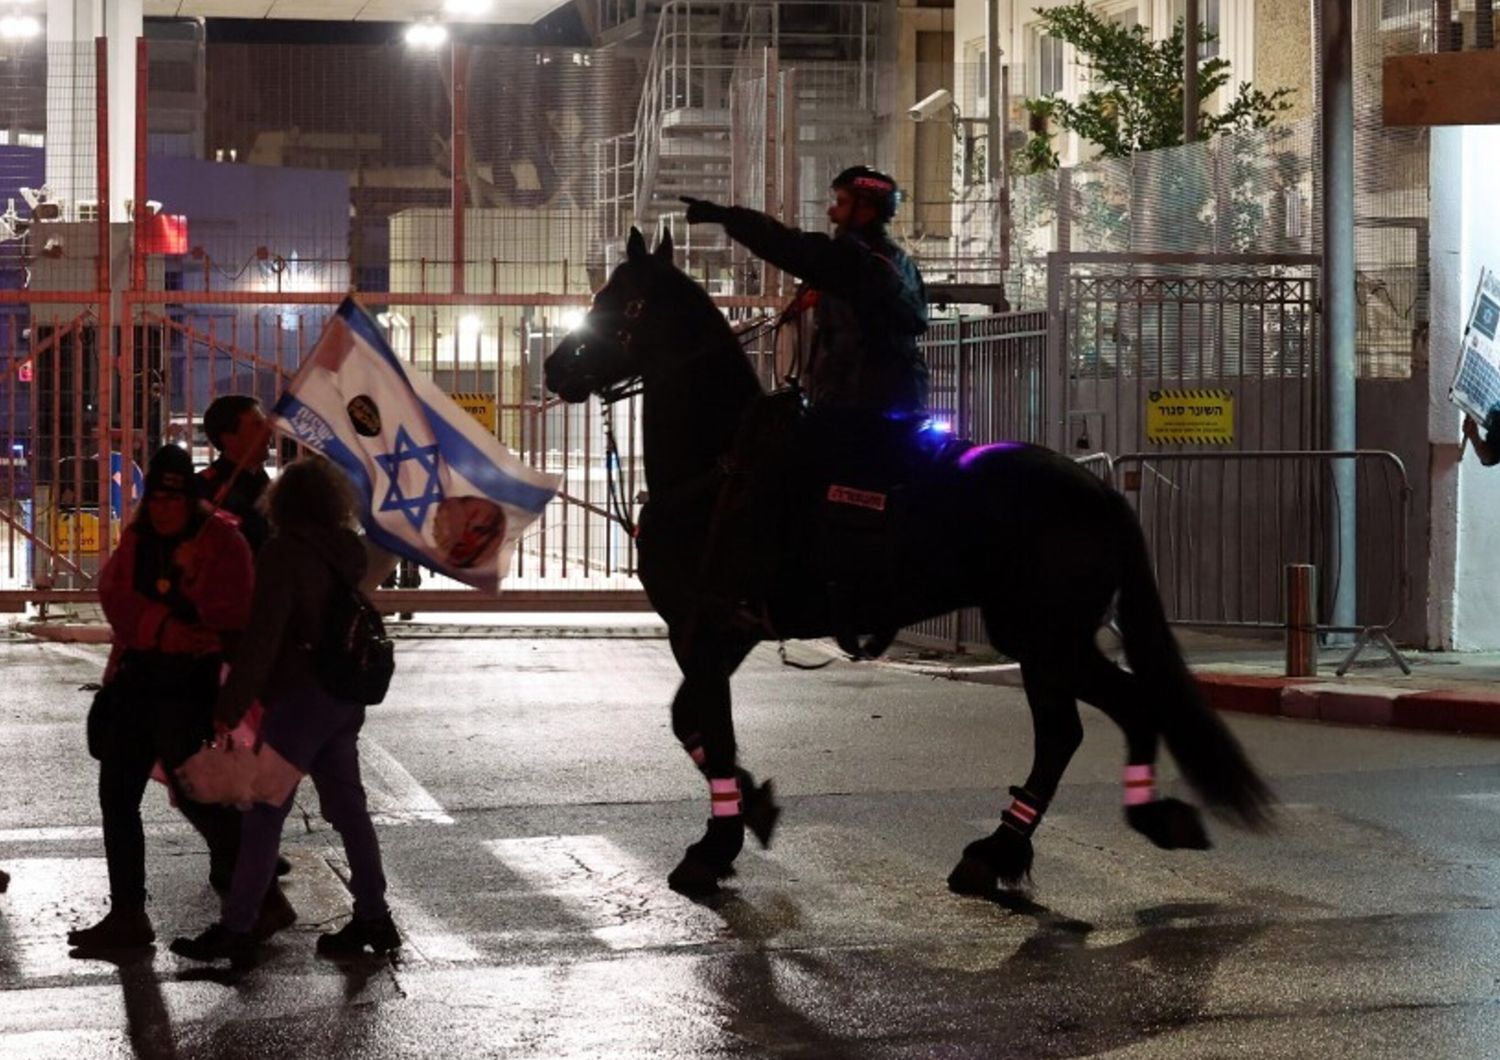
(633, 386)
(614, 474)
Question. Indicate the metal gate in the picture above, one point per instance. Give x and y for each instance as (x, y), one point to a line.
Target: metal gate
(1125, 327)
(63, 363)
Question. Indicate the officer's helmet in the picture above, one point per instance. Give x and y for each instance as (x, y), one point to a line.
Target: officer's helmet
(873, 186)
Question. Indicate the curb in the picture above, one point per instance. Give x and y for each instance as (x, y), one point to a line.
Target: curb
(67, 632)
(1310, 699)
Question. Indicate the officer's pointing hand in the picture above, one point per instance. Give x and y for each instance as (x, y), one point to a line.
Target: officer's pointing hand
(701, 211)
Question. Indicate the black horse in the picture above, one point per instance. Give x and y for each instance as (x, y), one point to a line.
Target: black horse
(1041, 546)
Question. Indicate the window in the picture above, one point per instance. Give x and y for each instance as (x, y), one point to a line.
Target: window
(1048, 52)
(977, 79)
(1127, 18)
(1208, 18)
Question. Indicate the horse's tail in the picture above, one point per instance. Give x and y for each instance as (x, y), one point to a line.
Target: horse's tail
(1207, 753)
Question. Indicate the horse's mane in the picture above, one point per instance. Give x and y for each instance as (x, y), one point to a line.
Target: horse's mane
(688, 294)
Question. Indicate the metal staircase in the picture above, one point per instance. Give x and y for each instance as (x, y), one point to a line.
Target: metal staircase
(701, 127)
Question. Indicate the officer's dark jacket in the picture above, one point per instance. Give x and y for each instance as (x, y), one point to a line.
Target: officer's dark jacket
(871, 306)
(242, 499)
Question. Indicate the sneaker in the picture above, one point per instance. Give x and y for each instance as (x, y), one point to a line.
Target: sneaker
(218, 943)
(276, 914)
(124, 927)
(351, 939)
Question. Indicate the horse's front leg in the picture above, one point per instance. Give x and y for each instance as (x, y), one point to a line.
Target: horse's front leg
(1005, 856)
(703, 721)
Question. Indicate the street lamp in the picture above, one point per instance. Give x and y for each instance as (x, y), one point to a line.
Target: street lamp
(426, 34)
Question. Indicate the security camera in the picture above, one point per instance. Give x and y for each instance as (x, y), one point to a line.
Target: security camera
(933, 106)
(43, 207)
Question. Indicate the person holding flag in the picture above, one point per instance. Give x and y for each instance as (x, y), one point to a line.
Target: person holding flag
(431, 484)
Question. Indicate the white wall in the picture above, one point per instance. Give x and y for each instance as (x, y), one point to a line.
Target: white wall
(1464, 558)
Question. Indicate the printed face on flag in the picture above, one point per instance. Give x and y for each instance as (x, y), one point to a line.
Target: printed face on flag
(433, 484)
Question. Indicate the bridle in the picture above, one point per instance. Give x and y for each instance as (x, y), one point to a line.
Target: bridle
(623, 336)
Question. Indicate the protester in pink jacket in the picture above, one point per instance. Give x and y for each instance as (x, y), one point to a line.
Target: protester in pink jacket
(177, 588)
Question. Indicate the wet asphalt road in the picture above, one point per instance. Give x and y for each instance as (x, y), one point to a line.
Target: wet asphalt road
(531, 802)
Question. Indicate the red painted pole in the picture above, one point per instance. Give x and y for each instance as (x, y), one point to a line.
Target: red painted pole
(460, 109)
(103, 330)
(139, 213)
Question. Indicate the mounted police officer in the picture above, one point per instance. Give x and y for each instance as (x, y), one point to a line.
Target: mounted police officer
(866, 383)
(869, 303)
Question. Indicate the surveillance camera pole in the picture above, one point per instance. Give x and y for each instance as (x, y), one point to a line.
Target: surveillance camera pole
(1190, 72)
(992, 84)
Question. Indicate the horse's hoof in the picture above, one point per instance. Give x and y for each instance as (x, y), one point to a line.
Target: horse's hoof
(973, 878)
(1169, 823)
(696, 879)
(762, 813)
(1007, 852)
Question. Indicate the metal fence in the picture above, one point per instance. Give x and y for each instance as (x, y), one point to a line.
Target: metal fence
(1223, 527)
(1126, 326)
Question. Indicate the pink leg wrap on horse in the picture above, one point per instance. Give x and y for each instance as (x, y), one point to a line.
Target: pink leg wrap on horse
(1140, 785)
(1024, 812)
(724, 796)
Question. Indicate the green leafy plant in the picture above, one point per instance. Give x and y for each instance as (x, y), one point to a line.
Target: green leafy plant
(1134, 100)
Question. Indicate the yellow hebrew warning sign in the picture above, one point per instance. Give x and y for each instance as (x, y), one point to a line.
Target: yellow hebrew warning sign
(78, 532)
(1190, 417)
(482, 407)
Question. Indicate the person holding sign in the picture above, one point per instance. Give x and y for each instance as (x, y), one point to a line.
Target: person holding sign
(1476, 382)
(1486, 444)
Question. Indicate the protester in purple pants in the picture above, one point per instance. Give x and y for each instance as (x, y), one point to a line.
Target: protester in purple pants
(311, 554)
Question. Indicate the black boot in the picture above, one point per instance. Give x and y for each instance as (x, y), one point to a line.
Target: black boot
(124, 927)
(351, 939)
(218, 943)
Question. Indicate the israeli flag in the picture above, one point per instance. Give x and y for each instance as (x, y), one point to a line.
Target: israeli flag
(433, 485)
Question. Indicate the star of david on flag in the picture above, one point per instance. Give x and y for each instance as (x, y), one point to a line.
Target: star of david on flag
(433, 485)
(431, 490)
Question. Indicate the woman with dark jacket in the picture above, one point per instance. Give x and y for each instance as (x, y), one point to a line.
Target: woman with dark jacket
(312, 554)
(174, 589)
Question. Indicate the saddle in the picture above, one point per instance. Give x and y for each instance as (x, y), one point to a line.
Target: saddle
(866, 467)
(830, 487)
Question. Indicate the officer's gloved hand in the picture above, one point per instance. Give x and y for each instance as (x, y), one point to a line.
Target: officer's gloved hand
(701, 211)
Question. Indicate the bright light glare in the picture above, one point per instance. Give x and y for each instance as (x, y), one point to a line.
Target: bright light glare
(572, 319)
(426, 34)
(468, 327)
(466, 7)
(19, 27)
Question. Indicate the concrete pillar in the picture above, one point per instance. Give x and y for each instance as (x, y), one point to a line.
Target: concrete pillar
(72, 26)
(1462, 557)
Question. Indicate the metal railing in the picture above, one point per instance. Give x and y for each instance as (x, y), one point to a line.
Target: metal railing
(699, 49)
(1222, 528)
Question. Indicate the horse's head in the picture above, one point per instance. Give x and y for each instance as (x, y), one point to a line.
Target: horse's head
(631, 316)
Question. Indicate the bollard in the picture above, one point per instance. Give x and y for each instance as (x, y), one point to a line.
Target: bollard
(1301, 620)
